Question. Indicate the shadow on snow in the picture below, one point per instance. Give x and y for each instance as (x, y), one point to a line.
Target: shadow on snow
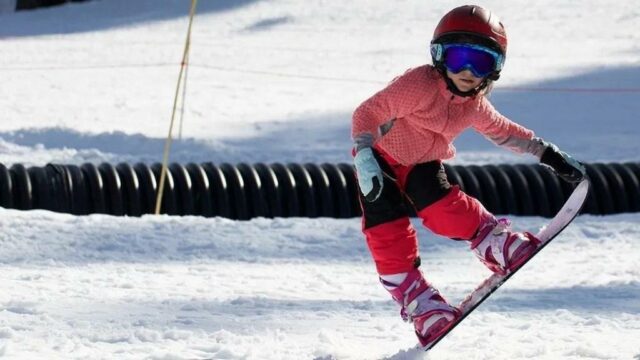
(614, 297)
(325, 139)
(100, 15)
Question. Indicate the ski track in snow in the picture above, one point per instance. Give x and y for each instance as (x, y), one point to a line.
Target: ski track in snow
(277, 81)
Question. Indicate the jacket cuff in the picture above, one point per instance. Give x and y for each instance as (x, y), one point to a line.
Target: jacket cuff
(363, 140)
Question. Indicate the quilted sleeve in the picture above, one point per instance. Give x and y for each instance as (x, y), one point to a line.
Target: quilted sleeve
(502, 131)
(376, 115)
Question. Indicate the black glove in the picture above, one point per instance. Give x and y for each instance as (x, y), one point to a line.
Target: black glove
(562, 164)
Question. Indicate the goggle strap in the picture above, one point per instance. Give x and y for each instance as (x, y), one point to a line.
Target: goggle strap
(437, 51)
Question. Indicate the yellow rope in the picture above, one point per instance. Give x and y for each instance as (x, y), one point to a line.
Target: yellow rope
(167, 144)
(184, 97)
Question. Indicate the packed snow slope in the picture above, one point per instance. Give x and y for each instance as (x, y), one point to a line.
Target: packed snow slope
(277, 81)
(193, 288)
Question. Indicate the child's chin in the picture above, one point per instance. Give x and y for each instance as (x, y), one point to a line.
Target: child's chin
(464, 89)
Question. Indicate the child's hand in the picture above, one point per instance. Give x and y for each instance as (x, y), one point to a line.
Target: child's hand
(369, 174)
(563, 164)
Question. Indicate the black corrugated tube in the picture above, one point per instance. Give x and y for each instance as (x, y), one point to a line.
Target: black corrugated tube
(246, 191)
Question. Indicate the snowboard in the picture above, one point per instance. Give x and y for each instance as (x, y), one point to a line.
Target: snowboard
(564, 217)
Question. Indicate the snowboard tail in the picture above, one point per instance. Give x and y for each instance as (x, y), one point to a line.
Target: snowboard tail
(560, 221)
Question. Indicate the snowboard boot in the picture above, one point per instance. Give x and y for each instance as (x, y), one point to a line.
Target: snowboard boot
(422, 305)
(501, 249)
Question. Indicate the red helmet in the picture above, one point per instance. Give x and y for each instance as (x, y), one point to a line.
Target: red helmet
(471, 23)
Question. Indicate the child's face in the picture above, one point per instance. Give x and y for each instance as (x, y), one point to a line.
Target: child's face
(464, 80)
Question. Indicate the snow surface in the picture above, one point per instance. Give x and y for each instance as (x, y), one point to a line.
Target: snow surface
(277, 81)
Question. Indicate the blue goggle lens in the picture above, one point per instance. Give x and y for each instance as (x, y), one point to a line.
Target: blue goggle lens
(479, 60)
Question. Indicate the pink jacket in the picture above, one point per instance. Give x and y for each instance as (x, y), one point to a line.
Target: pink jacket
(416, 118)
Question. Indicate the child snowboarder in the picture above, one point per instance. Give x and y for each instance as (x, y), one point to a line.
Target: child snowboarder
(401, 136)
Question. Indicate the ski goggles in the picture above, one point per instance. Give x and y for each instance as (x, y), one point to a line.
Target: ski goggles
(480, 60)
